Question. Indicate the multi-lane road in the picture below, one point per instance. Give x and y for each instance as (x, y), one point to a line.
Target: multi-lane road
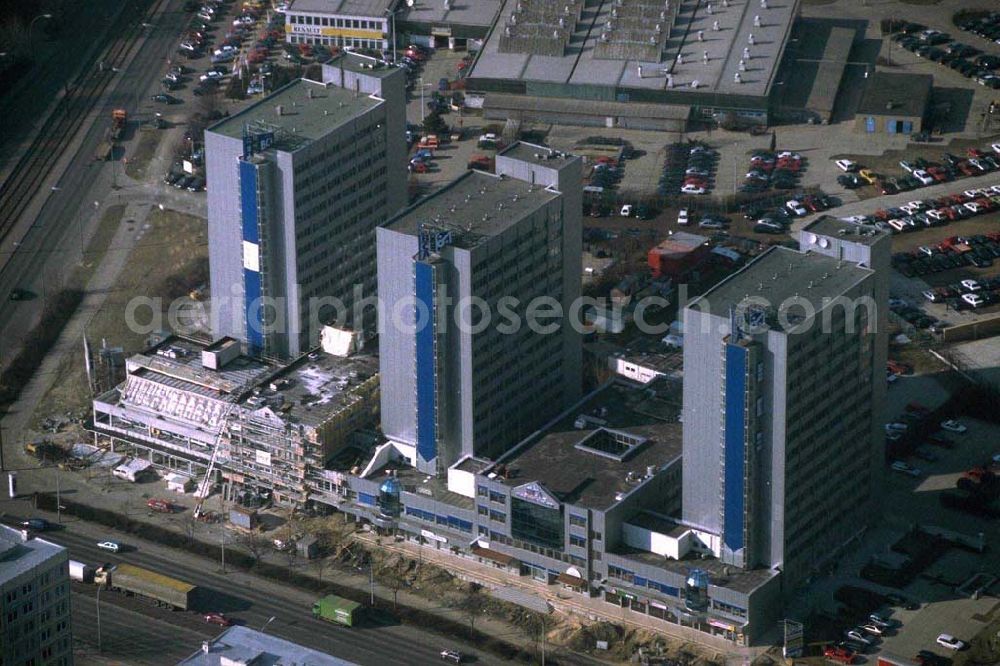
(39, 251)
(140, 633)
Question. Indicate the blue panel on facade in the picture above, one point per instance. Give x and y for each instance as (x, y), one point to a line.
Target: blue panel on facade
(736, 369)
(869, 124)
(254, 310)
(890, 126)
(907, 127)
(426, 365)
(365, 498)
(248, 202)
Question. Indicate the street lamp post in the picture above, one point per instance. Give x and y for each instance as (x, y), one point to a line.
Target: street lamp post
(32, 23)
(99, 617)
(269, 621)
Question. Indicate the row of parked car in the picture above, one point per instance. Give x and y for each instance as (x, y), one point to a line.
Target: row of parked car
(939, 47)
(769, 169)
(778, 219)
(689, 169)
(185, 181)
(917, 318)
(987, 27)
(922, 213)
(921, 172)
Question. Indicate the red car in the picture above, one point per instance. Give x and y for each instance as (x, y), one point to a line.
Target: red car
(837, 653)
(217, 618)
(975, 152)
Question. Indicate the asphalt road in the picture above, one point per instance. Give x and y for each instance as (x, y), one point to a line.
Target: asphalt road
(247, 599)
(42, 258)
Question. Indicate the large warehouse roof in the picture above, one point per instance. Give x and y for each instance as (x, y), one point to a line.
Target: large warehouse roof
(599, 50)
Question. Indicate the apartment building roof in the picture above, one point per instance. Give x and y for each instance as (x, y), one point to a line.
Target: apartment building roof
(603, 447)
(19, 555)
(785, 280)
(309, 110)
(474, 207)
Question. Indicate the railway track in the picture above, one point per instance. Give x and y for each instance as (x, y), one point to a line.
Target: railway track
(63, 123)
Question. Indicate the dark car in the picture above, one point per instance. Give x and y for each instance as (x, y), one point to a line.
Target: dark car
(163, 98)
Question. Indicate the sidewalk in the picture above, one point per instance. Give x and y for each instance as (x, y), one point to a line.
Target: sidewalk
(566, 603)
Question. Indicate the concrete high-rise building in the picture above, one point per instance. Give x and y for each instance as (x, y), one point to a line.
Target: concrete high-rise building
(34, 600)
(485, 245)
(297, 184)
(784, 382)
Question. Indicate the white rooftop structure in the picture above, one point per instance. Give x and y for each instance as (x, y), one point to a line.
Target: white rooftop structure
(240, 646)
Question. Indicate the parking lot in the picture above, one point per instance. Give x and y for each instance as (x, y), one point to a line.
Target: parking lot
(917, 501)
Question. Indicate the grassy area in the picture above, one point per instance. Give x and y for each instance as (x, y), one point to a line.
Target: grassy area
(172, 246)
(137, 166)
(922, 361)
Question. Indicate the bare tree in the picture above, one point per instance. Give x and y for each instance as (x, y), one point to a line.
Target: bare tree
(473, 604)
(255, 544)
(395, 576)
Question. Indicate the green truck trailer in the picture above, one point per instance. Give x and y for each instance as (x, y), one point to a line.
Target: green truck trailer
(138, 582)
(337, 609)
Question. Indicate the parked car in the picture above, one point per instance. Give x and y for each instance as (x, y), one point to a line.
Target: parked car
(855, 635)
(846, 165)
(905, 468)
(163, 98)
(950, 642)
(953, 426)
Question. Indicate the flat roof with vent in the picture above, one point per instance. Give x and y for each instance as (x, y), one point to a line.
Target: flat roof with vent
(606, 43)
(826, 225)
(309, 110)
(602, 447)
(896, 94)
(782, 274)
(477, 206)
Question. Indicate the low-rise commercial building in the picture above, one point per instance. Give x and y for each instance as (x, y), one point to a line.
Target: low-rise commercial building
(678, 254)
(359, 24)
(449, 24)
(588, 503)
(894, 103)
(34, 600)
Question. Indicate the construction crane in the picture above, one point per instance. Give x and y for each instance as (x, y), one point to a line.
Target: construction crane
(205, 486)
